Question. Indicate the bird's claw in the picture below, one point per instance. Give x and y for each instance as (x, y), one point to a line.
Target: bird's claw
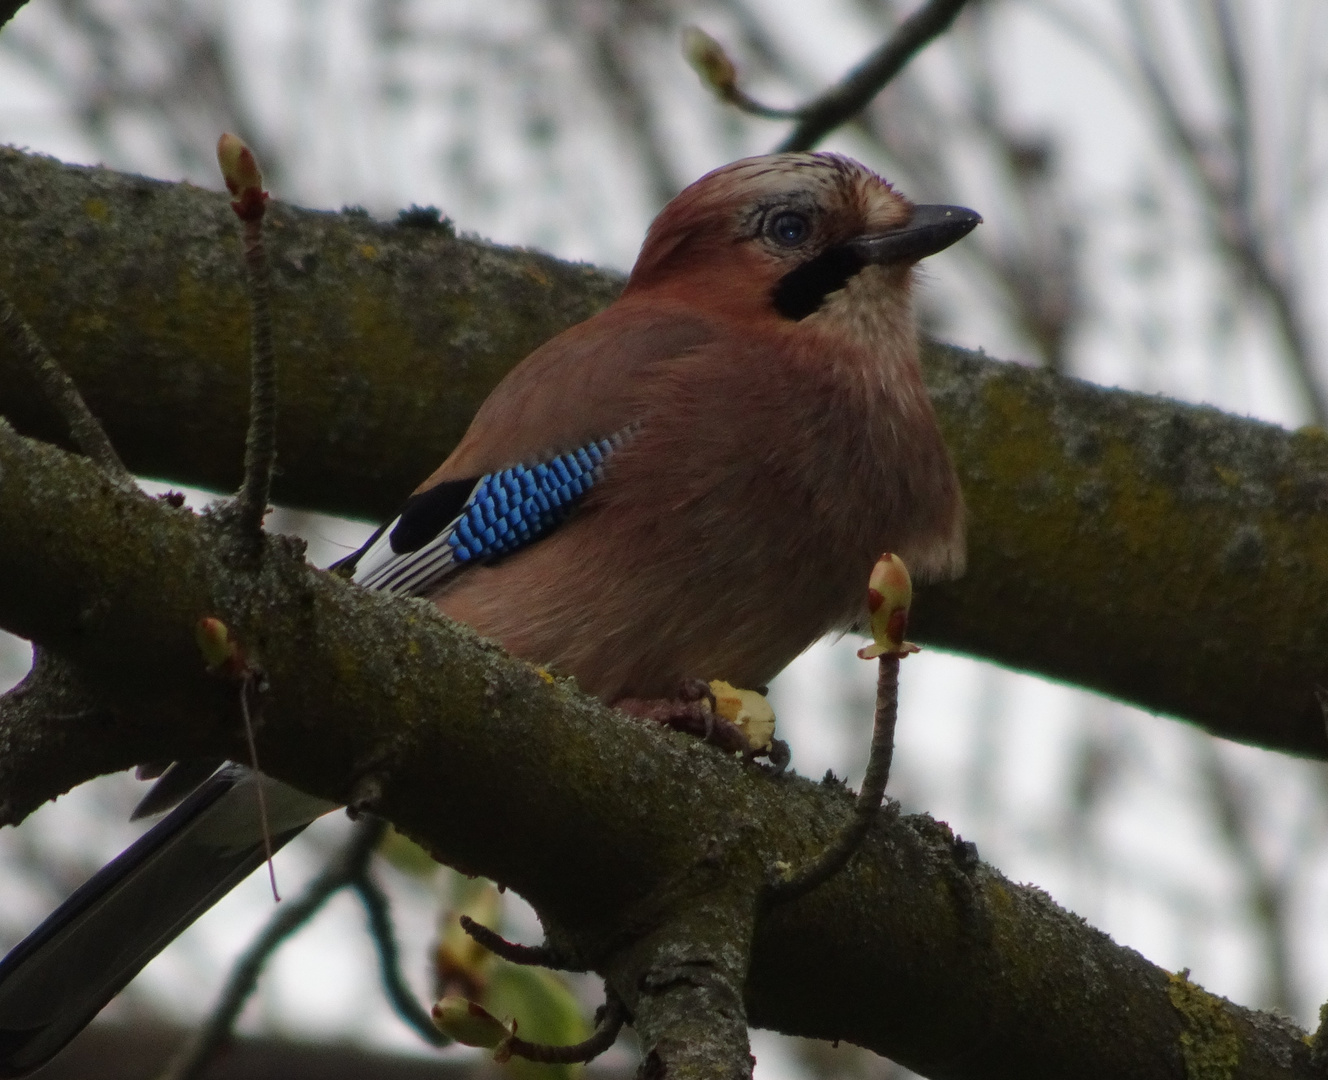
(778, 754)
(695, 711)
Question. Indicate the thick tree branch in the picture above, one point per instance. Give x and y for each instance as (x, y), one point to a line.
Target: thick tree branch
(610, 827)
(1168, 555)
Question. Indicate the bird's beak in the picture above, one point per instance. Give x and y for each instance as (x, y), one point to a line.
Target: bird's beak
(929, 230)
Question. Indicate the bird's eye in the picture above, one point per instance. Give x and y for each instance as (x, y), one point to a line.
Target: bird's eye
(788, 229)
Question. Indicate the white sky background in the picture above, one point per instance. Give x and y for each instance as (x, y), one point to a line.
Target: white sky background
(498, 128)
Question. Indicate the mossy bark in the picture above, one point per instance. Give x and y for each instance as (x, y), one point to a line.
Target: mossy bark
(1170, 555)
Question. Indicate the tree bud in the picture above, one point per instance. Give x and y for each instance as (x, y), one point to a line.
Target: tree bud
(221, 652)
(747, 710)
(243, 179)
(468, 1023)
(889, 595)
(709, 60)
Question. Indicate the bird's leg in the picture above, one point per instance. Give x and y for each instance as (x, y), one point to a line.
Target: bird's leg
(729, 723)
(779, 754)
(695, 690)
(690, 710)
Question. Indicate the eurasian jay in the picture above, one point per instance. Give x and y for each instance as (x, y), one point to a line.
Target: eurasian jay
(692, 484)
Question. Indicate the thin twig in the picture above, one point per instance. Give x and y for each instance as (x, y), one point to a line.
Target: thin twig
(1266, 890)
(840, 850)
(59, 389)
(528, 955)
(1237, 89)
(343, 869)
(260, 443)
(247, 687)
(403, 1002)
(709, 60)
(744, 102)
(608, 1023)
(845, 100)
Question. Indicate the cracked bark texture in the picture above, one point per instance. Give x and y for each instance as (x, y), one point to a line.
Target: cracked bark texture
(612, 828)
(1167, 555)
(683, 980)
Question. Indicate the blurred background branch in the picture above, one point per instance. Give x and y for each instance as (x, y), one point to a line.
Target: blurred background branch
(842, 102)
(346, 869)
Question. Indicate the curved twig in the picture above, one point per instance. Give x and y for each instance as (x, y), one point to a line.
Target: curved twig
(608, 1023)
(832, 859)
(842, 102)
(347, 868)
(399, 995)
(528, 955)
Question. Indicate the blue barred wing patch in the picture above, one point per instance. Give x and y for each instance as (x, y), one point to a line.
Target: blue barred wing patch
(505, 511)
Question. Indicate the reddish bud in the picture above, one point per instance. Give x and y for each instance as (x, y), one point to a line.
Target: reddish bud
(243, 179)
(897, 625)
(889, 595)
(221, 652)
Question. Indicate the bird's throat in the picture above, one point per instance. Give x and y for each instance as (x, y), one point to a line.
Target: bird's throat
(874, 311)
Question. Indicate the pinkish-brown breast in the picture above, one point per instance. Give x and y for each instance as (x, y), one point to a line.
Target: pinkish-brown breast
(773, 466)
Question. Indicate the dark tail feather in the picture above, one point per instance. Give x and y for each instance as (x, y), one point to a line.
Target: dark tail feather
(59, 977)
(173, 785)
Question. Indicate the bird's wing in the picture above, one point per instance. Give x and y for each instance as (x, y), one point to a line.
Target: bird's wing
(578, 388)
(538, 443)
(454, 522)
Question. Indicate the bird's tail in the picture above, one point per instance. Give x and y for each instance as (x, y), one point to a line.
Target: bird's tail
(59, 977)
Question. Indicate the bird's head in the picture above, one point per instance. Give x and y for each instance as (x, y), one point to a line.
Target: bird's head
(782, 233)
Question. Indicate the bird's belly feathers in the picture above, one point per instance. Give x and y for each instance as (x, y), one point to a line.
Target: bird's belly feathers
(720, 545)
